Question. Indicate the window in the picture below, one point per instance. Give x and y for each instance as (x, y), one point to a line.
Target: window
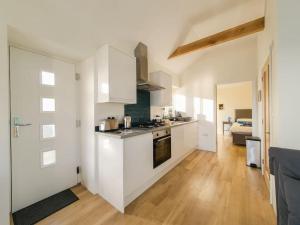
(197, 109)
(48, 131)
(180, 103)
(208, 109)
(48, 158)
(47, 78)
(48, 105)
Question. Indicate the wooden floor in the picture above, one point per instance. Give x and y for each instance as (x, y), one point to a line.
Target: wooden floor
(206, 188)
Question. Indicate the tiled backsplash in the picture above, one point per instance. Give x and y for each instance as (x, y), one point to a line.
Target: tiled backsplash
(139, 112)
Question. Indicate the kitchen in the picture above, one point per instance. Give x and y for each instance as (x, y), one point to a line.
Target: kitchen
(132, 147)
(97, 128)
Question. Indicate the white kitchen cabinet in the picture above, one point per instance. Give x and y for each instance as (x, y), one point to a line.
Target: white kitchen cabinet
(138, 161)
(138, 165)
(110, 170)
(190, 136)
(163, 97)
(207, 136)
(116, 76)
(125, 165)
(184, 139)
(177, 141)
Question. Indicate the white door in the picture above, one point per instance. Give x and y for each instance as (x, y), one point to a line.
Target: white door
(43, 125)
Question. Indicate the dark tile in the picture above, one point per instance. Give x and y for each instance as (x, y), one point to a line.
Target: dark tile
(139, 112)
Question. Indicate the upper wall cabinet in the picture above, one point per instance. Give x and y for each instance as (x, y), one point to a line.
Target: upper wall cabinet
(116, 75)
(163, 97)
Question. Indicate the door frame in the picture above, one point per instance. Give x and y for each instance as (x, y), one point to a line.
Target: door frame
(266, 68)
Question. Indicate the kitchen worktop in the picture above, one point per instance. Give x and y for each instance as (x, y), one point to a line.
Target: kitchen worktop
(121, 134)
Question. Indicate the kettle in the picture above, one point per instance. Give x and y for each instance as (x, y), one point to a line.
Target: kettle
(127, 121)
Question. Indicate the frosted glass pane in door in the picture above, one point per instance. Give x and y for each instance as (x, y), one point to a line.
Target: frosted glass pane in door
(48, 104)
(48, 131)
(47, 78)
(48, 158)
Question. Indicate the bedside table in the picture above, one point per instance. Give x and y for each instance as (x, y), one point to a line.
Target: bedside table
(226, 122)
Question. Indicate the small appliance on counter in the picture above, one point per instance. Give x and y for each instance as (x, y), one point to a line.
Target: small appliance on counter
(104, 125)
(114, 123)
(109, 124)
(127, 121)
(157, 119)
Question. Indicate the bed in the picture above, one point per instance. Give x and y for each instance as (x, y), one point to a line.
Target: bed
(242, 126)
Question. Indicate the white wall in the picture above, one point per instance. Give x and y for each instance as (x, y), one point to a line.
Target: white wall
(4, 128)
(87, 113)
(279, 40)
(104, 110)
(288, 75)
(232, 96)
(228, 63)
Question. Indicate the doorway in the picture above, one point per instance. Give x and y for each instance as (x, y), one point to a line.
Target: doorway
(234, 110)
(44, 146)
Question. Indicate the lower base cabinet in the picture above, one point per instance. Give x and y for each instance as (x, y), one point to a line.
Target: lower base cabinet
(125, 166)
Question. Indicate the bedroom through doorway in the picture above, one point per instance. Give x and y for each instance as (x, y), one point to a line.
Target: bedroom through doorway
(234, 112)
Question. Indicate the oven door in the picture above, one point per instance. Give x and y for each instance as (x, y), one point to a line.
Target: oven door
(161, 150)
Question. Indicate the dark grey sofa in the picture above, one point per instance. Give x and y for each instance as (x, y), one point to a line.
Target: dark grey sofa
(285, 165)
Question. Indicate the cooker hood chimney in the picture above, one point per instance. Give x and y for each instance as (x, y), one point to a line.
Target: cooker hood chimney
(142, 76)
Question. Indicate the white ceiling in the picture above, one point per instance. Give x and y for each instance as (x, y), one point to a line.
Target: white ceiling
(76, 28)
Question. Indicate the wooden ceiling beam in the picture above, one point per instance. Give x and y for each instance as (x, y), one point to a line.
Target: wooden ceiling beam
(224, 36)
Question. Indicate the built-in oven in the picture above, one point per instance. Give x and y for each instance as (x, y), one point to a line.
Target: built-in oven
(161, 146)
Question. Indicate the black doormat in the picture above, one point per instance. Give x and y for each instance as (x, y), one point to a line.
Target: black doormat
(40, 210)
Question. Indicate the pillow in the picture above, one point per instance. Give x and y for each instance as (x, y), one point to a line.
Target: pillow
(247, 120)
(292, 194)
(246, 124)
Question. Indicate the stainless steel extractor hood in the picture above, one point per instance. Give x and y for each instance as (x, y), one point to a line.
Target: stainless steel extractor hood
(142, 76)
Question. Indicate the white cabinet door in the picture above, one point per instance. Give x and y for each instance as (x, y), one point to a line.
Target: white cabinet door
(162, 97)
(138, 162)
(190, 136)
(116, 75)
(177, 141)
(122, 77)
(110, 170)
(206, 136)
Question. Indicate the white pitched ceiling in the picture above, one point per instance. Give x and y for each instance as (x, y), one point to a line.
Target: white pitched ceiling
(76, 28)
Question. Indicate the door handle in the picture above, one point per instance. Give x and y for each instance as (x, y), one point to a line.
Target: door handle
(18, 124)
(162, 139)
(23, 124)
